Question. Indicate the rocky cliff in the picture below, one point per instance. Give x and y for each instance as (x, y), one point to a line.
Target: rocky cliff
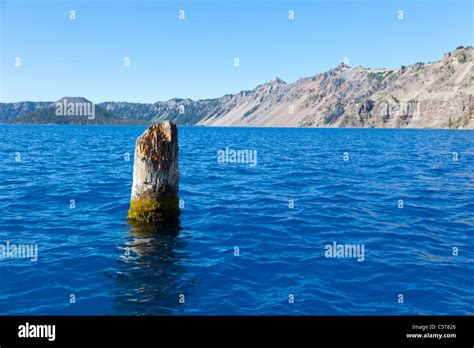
(422, 95)
(434, 95)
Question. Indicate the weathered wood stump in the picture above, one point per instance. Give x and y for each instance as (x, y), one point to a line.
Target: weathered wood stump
(155, 175)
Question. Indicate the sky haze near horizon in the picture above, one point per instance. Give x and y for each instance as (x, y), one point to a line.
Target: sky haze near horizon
(194, 57)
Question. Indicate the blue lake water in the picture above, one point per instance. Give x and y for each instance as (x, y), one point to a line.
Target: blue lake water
(67, 190)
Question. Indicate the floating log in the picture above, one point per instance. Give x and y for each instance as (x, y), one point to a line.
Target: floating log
(155, 175)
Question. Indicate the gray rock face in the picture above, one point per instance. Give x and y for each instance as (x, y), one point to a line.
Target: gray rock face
(432, 95)
(155, 174)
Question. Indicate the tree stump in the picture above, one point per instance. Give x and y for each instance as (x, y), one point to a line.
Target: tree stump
(155, 175)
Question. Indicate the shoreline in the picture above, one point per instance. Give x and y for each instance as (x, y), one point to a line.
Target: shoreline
(238, 127)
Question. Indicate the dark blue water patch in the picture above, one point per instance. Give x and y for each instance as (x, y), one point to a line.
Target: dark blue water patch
(249, 236)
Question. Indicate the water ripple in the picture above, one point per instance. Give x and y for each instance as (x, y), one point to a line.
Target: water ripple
(248, 237)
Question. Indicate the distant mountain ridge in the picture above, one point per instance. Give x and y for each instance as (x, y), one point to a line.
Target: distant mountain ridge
(431, 95)
(71, 110)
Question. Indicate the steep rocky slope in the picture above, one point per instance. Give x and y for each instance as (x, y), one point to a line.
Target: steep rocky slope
(431, 95)
(434, 95)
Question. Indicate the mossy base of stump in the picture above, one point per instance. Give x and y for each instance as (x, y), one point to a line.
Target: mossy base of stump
(150, 210)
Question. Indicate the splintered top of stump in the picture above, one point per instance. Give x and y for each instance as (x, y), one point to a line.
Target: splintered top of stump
(154, 144)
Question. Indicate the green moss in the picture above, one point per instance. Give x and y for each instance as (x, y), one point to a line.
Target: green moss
(146, 210)
(379, 76)
(143, 229)
(462, 59)
(149, 210)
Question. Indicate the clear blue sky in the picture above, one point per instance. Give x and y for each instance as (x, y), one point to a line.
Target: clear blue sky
(194, 58)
